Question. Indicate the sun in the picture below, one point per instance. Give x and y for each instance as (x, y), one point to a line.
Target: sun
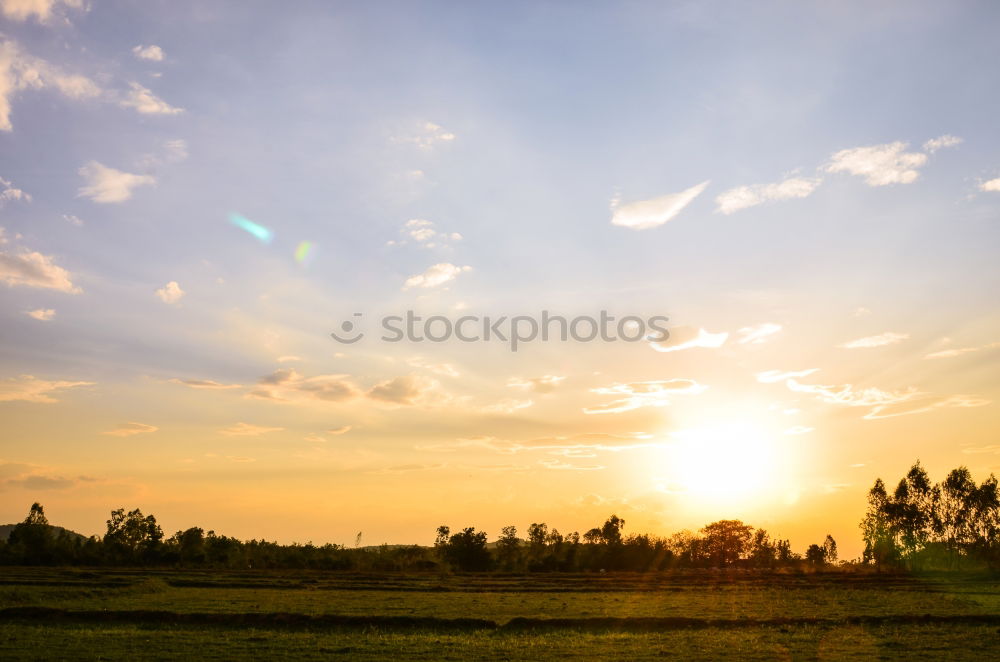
(723, 463)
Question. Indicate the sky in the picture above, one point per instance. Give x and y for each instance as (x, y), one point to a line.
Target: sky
(194, 196)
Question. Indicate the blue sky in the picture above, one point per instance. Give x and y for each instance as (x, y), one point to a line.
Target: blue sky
(840, 164)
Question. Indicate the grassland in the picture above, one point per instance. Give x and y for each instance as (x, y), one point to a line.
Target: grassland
(123, 614)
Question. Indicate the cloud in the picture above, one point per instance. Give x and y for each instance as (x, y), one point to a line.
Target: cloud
(175, 150)
(403, 390)
(508, 406)
(43, 482)
(147, 103)
(424, 233)
(646, 214)
(949, 353)
(130, 429)
(445, 369)
(170, 293)
(427, 136)
(20, 71)
(543, 384)
(567, 466)
(8, 193)
(28, 388)
(643, 394)
(685, 337)
(73, 220)
(991, 448)
(755, 335)
(32, 269)
(287, 385)
(882, 339)
(106, 184)
(925, 403)
(799, 429)
(203, 384)
(744, 197)
(152, 52)
(880, 165)
(42, 315)
(579, 445)
(343, 429)
(772, 376)
(247, 430)
(947, 140)
(22, 10)
(435, 275)
(991, 186)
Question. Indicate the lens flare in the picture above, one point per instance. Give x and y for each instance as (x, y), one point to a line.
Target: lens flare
(258, 231)
(304, 252)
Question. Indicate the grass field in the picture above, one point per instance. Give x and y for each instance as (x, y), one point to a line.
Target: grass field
(104, 614)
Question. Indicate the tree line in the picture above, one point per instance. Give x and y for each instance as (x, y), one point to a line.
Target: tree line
(133, 538)
(947, 525)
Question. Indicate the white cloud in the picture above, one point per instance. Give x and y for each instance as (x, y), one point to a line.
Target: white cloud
(772, 376)
(203, 384)
(73, 220)
(799, 429)
(643, 394)
(886, 404)
(144, 101)
(130, 429)
(424, 233)
(543, 384)
(744, 197)
(646, 214)
(22, 10)
(882, 339)
(579, 445)
(42, 315)
(880, 165)
(28, 388)
(991, 186)
(947, 140)
(106, 184)
(506, 406)
(755, 335)
(176, 150)
(682, 338)
(8, 192)
(445, 369)
(246, 430)
(435, 275)
(20, 71)
(426, 136)
(403, 390)
(949, 353)
(152, 52)
(32, 269)
(170, 293)
(287, 385)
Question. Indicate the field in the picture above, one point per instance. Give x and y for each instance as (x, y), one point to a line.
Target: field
(124, 614)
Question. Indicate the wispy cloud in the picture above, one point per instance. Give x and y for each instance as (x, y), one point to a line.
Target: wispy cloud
(42, 314)
(287, 385)
(144, 101)
(32, 269)
(106, 184)
(436, 275)
(8, 193)
(28, 388)
(881, 340)
(578, 445)
(744, 197)
(755, 335)
(941, 142)
(203, 384)
(880, 165)
(543, 384)
(42, 10)
(20, 71)
(643, 394)
(426, 136)
(424, 233)
(646, 214)
(772, 376)
(682, 338)
(130, 429)
(247, 430)
(990, 186)
(958, 351)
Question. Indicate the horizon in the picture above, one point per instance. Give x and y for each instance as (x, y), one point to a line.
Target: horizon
(202, 207)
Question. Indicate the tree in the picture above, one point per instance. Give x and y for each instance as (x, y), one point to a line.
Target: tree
(830, 549)
(726, 541)
(467, 551)
(880, 545)
(132, 536)
(507, 547)
(32, 539)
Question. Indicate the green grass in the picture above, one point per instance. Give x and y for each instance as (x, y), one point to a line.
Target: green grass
(749, 605)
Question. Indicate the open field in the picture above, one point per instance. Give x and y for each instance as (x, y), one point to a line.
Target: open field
(128, 614)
